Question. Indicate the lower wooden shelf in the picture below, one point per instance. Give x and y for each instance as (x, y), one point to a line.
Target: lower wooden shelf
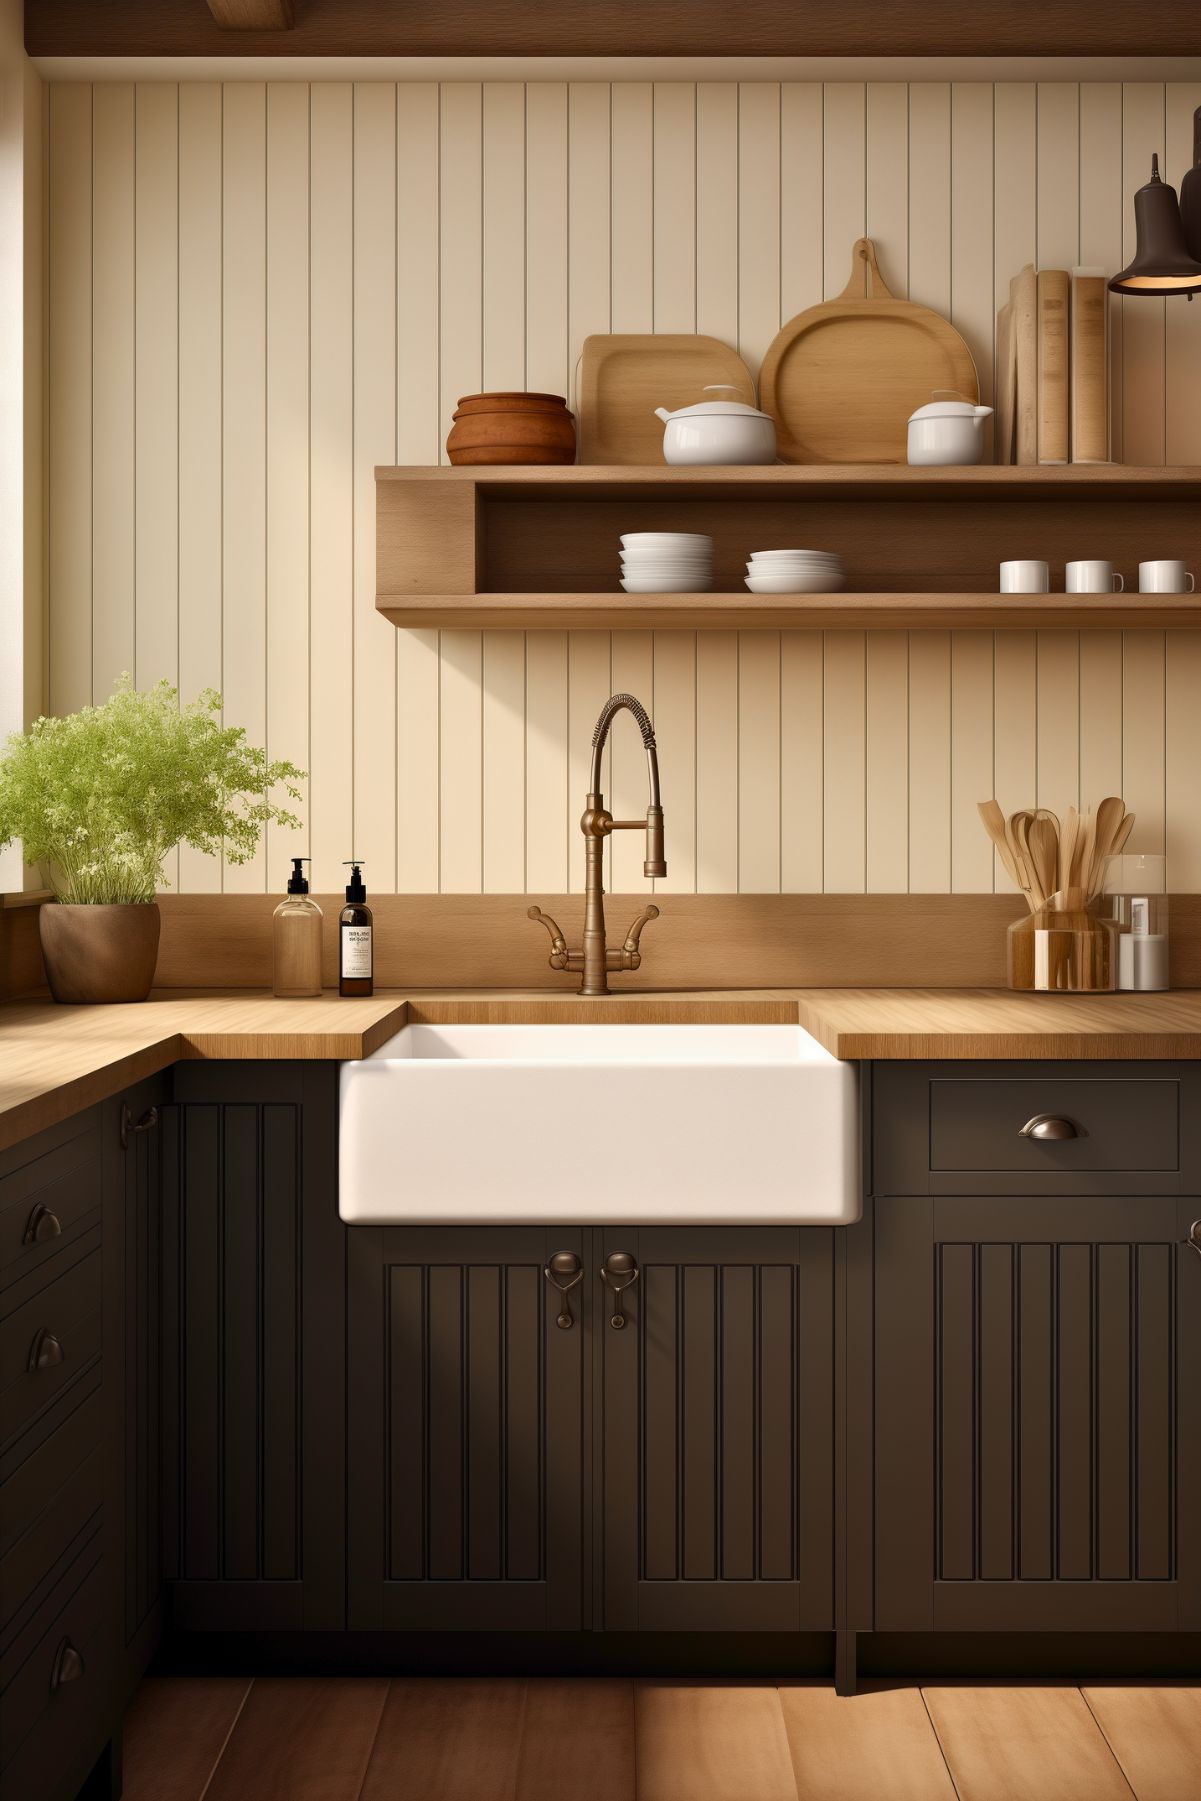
(776, 612)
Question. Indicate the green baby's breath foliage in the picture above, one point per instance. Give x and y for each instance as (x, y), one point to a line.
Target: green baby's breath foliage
(101, 796)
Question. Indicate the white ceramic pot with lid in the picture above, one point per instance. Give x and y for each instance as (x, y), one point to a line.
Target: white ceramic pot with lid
(948, 430)
(718, 430)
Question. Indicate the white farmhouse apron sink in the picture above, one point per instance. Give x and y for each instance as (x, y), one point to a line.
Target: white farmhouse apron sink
(649, 1124)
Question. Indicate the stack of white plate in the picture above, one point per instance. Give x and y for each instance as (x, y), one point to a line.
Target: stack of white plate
(794, 572)
(666, 562)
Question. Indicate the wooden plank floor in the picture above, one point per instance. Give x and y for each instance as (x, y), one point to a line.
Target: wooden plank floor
(475, 1739)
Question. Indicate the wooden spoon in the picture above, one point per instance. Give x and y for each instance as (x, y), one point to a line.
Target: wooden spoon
(994, 825)
(1067, 850)
(1044, 851)
(1110, 814)
(1124, 831)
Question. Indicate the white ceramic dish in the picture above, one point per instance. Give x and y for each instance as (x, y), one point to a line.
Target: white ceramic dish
(718, 431)
(664, 540)
(774, 565)
(819, 582)
(665, 584)
(665, 556)
(947, 431)
(652, 570)
(770, 556)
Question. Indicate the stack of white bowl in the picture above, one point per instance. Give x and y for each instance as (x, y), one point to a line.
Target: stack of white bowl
(794, 572)
(666, 562)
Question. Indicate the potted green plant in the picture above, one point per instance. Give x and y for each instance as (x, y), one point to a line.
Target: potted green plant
(99, 798)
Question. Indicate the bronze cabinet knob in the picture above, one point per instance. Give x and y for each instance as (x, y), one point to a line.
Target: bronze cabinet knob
(68, 1665)
(1048, 1126)
(41, 1225)
(563, 1271)
(45, 1351)
(618, 1272)
(1194, 1236)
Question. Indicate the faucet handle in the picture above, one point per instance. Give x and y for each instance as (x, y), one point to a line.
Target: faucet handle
(631, 956)
(558, 944)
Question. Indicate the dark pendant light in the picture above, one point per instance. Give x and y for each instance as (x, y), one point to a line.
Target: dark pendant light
(1162, 264)
(1190, 194)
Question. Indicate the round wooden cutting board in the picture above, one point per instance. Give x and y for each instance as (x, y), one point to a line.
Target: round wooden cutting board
(841, 379)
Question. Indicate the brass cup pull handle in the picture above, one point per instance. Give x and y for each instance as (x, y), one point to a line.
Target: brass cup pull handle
(68, 1665)
(41, 1225)
(1194, 1236)
(131, 1127)
(563, 1272)
(618, 1272)
(45, 1351)
(1045, 1126)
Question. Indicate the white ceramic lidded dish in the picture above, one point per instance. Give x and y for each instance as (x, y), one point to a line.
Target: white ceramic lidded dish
(946, 431)
(717, 431)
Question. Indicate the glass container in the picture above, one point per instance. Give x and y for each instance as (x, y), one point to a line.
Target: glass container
(1136, 899)
(1066, 950)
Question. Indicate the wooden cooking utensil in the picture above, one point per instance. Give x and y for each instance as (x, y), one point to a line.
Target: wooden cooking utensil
(841, 379)
(994, 825)
(1044, 850)
(624, 376)
(1110, 815)
(1124, 831)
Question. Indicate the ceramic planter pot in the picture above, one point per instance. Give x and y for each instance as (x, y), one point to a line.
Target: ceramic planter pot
(99, 953)
(512, 428)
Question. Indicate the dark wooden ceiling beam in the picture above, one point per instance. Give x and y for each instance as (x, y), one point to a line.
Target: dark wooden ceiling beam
(252, 15)
(618, 28)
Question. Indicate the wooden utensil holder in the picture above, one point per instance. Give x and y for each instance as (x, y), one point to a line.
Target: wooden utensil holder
(1064, 950)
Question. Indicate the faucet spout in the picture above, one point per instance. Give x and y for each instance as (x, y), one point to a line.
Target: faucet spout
(655, 863)
(595, 961)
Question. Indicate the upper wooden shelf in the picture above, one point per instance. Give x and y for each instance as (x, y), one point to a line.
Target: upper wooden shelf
(857, 478)
(537, 548)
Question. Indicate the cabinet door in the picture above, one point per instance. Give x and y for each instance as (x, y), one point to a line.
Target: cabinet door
(254, 1359)
(466, 1430)
(133, 1140)
(715, 1431)
(1037, 1419)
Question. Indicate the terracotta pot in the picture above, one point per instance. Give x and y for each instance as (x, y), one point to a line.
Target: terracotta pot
(512, 428)
(99, 953)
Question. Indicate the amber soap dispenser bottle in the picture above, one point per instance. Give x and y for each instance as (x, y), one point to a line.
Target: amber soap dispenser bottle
(356, 974)
(296, 940)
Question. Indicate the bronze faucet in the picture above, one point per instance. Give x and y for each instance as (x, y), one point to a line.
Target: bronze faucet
(595, 961)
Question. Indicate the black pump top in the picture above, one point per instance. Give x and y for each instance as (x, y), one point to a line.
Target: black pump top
(355, 890)
(296, 881)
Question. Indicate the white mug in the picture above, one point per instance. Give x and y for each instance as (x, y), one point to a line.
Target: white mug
(1164, 577)
(1093, 577)
(1025, 578)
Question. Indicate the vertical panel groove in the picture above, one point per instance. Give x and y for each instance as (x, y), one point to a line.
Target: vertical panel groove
(357, 253)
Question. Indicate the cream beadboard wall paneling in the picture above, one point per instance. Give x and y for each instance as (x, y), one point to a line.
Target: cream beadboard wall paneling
(257, 292)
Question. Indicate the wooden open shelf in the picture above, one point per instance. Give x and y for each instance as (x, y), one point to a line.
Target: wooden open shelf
(778, 612)
(534, 548)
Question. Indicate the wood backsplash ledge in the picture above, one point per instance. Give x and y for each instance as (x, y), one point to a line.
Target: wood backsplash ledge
(698, 941)
(701, 941)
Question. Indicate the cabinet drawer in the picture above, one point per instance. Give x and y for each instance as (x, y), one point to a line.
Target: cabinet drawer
(964, 1128)
(44, 1690)
(46, 1201)
(48, 1339)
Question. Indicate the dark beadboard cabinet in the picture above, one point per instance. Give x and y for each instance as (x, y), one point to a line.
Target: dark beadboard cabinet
(715, 1430)
(1037, 1409)
(253, 1348)
(466, 1430)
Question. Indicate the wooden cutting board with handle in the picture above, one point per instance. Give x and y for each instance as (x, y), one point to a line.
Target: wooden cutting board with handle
(841, 379)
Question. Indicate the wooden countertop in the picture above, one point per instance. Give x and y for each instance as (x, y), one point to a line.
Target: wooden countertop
(55, 1061)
